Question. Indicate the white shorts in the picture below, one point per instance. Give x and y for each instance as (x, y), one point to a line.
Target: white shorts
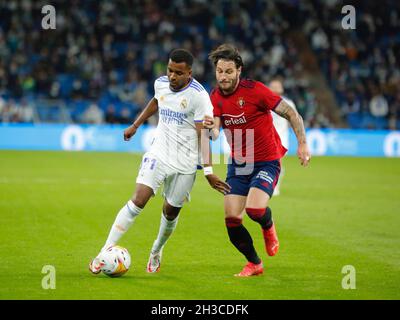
(177, 186)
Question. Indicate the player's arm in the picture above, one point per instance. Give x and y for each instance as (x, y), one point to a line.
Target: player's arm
(150, 109)
(296, 121)
(205, 149)
(214, 125)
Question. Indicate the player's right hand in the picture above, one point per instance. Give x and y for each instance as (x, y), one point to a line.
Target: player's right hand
(217, 184)
(129, 132)
(208, 122)
(304, 155)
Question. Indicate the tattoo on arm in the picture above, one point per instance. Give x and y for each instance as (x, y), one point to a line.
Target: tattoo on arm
(283, 109)
(295, 119)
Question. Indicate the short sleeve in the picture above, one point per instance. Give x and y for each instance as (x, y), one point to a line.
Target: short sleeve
(216, 106)
(156, 90)
(203, 106)
(269, 99)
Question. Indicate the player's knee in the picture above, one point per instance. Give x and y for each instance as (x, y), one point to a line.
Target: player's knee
(170, 212)
(139, 201)
(171, 215)
(142, 195)
(255, 213)
(232, 222)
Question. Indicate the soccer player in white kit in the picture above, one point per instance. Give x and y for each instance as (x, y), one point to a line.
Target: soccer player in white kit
(172, 160)
(281, 125)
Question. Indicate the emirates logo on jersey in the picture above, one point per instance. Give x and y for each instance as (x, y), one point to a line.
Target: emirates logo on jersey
(240, 102)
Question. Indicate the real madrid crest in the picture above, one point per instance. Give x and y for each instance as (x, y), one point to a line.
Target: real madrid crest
(240, 102)
(183, 103)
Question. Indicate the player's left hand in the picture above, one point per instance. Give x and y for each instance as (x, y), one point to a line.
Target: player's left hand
(208, 122)
(217, 184)
(304, 154)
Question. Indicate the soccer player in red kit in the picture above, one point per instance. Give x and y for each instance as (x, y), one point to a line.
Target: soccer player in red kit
(243, 108)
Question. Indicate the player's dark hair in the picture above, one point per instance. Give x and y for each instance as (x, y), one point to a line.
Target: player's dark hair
(181, 55)
(226, 52)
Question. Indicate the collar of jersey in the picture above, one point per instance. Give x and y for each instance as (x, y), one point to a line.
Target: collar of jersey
(184, 88)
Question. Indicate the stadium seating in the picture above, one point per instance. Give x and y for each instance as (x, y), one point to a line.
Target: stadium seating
(95, 49)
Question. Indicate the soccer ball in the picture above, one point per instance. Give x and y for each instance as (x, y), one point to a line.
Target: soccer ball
(117, 261)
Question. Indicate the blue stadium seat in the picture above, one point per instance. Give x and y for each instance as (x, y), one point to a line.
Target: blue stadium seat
(48, 112)
(77, 108)
(354, 120)
(120, 47)
(104, 101)
(368, 121)
(65, 81)
(381, 123)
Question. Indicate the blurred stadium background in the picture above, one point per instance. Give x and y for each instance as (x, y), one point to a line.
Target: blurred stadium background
(78, 86)
(99, 64)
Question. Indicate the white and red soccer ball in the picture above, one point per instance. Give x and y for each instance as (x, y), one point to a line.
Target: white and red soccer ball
(116, 261)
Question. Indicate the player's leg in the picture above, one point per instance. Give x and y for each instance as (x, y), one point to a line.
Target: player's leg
(262, 187)
(123, 221)
(128, 213)
(239, 236)
(168, 223)
(147, 183)
(234, 204)
(257, 207)
(149, 179)
(277, 190)
(177, 189)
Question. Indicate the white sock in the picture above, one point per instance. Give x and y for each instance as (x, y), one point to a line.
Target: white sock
(125, 218)
(166, 229)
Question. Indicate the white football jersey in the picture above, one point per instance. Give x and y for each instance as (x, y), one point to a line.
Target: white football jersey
(282, 125)
(176, 142)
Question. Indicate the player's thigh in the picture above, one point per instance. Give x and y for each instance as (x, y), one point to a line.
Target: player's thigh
(263, 183)
(234, 205)
(257, 198)
(177, 188)
(150, 177)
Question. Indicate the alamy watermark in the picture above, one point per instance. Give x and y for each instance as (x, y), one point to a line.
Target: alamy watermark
(49, 280)
(349, 20)
(49, 20)
(349, 280)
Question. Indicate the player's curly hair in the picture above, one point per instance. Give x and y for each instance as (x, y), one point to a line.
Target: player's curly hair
(226, 52)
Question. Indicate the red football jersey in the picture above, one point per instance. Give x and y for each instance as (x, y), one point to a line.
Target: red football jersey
(247, 121)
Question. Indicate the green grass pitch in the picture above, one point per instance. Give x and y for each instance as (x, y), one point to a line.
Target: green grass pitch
(56, 208)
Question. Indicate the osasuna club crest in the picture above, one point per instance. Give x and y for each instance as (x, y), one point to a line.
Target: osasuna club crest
(240, 102)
